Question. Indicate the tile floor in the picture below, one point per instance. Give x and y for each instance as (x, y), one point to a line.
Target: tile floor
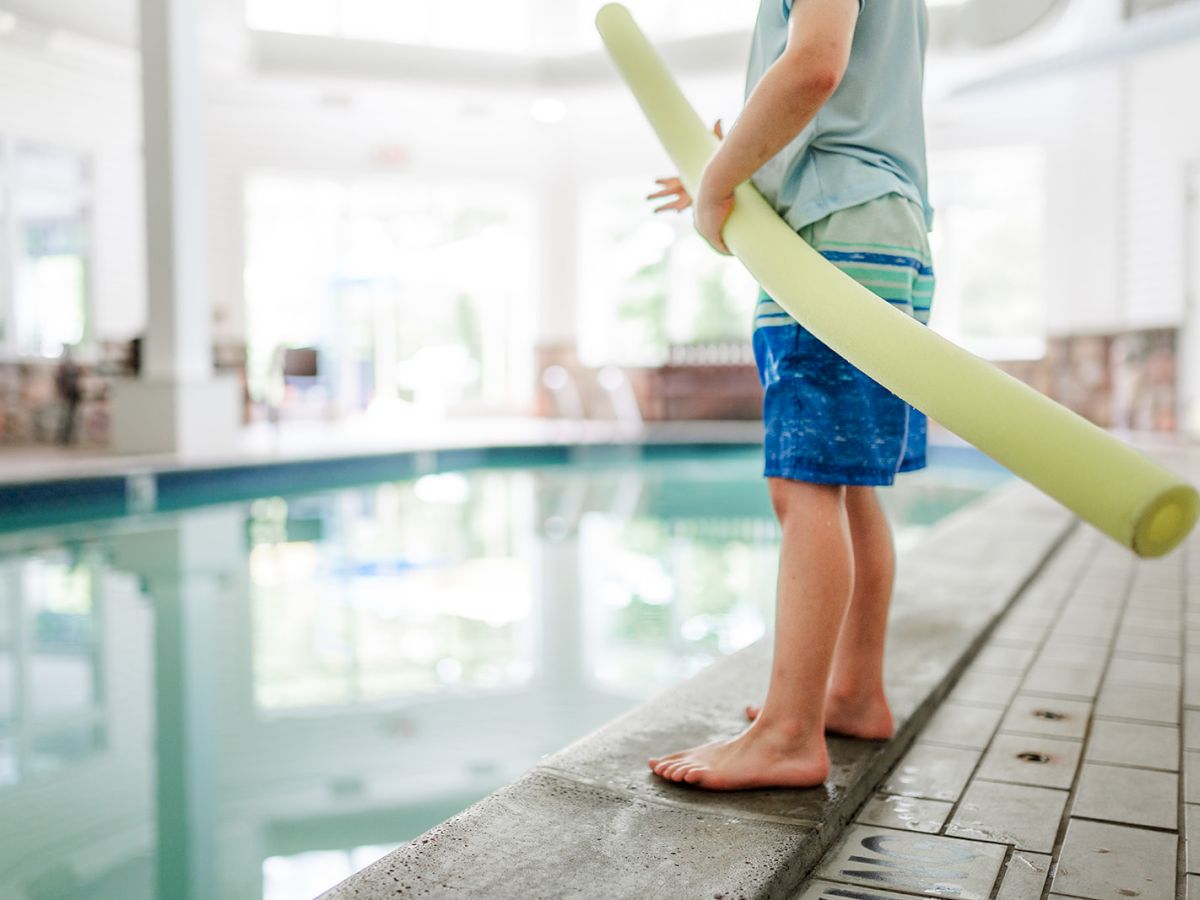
(1055, 766)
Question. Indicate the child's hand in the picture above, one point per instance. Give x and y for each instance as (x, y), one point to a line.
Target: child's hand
(713, 206)
(714, 203)
(673, 187)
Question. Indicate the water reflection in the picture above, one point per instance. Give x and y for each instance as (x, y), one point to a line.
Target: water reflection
(398, 592)
(253, 700)
(51, 714)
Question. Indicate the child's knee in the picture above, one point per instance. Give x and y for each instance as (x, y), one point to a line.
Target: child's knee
(788, 495)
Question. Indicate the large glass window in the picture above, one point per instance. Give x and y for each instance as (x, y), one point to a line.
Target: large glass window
(417, 296)
(649, 281)
(989, 246)
(46, 201)
(473, 24)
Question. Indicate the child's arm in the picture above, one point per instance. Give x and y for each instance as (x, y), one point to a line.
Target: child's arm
(673, 187)
(782, 103)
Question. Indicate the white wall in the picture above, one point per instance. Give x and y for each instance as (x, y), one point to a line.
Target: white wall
(1163, 136)
(1117, 140)
(92, 106)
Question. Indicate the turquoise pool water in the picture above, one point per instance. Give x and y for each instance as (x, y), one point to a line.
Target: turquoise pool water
(254, 699)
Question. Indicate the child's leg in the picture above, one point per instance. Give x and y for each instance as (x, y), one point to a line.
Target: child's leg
(856, 704)
(785, 745)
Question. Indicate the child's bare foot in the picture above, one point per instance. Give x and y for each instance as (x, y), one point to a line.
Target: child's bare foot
(869, 718)
(759, 757)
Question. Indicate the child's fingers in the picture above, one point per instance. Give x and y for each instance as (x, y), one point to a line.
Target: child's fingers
(665, 192)
(717, 243)
(718, 130)
(680, 205)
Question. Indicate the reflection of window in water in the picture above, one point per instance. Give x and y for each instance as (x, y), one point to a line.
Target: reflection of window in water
(50, 703)
(287, 877)
(664, 598)
(989, 250)
(397, 591)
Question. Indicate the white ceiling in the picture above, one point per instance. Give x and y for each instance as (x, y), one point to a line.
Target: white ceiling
(108, 20)
(974, 22)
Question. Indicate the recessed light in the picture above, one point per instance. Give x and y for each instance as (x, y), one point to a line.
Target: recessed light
(548, 110)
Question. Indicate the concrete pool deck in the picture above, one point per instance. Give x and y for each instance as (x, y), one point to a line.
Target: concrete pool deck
(1040, 675)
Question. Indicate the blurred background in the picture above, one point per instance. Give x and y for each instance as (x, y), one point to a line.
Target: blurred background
(244, 228)
(391, 216)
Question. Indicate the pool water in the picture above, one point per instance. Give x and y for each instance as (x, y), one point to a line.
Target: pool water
(258, 698)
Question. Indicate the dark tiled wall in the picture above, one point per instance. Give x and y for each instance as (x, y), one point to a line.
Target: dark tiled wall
(1125, 380)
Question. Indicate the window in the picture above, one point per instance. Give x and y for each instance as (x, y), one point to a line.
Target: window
(46, 198)
(417, 296)
(468, 24)
(649, 281)
(989, 243)
(667, 19)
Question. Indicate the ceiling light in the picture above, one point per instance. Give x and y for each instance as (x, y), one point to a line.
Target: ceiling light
(548, 110)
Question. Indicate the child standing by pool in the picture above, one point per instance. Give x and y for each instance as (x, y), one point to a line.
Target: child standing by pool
(833, 134)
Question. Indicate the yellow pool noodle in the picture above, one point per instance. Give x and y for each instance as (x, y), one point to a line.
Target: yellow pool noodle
(1120, 491)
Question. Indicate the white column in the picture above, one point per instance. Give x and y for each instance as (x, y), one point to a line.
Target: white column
(185, 568)
(558, 256)
(177, 406)
(178, 335)
(1187, 348)
(8, 247)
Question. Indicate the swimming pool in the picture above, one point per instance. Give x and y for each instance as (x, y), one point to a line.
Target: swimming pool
(255, 697)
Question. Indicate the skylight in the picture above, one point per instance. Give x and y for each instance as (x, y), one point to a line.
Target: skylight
(468, 24)
(552, 27)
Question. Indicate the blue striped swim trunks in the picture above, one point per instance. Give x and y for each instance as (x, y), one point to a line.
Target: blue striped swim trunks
(825, 420)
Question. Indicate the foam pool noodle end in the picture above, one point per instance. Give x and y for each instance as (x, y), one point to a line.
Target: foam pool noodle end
(1120, 491)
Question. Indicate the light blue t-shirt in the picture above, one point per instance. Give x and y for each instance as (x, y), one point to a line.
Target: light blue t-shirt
(868, 139)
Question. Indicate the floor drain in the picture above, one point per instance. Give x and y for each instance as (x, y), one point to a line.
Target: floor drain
(1049, 714)
(1030, 756)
